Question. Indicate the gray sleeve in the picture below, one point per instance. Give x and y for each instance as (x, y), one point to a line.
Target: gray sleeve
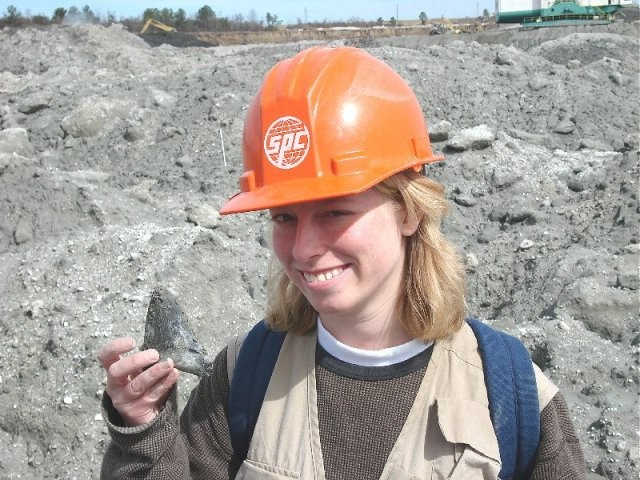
(559, 455)
(196, 446)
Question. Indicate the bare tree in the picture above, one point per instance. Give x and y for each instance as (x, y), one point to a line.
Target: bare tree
(272, 21)
(88, 14)
(73, 14)
(12, 16)
(58, 15)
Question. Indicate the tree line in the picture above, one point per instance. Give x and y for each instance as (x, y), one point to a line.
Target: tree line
(205, 19)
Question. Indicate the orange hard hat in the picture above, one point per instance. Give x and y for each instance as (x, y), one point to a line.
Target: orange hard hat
(326, 123)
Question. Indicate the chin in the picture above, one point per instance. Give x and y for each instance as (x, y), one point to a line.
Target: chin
(330, 308)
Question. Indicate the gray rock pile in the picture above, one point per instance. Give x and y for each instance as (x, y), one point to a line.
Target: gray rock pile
(115, 158)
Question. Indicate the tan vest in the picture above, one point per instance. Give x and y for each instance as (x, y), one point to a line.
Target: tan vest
(447, 435)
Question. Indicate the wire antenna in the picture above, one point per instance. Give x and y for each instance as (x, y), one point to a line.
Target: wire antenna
(224, 156)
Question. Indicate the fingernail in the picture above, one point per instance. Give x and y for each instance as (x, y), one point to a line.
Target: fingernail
(169, 363)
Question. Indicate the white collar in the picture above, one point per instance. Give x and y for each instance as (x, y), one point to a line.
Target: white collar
(369, 358)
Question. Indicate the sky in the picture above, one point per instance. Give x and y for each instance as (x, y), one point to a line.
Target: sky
(287, 10)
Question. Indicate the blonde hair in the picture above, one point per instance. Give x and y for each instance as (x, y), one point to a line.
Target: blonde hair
(432, 305)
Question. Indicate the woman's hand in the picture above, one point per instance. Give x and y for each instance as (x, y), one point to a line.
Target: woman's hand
(137, 384)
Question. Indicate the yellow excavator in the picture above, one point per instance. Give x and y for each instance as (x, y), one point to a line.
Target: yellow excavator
(155, 23)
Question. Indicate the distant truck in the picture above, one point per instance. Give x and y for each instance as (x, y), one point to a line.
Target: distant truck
(529, 11)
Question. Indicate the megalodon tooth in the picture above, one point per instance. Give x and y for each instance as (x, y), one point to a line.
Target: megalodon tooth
(167, 330)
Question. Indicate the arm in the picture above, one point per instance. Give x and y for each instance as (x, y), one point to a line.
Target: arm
(196, 446)
(559, 454)
(153, 450)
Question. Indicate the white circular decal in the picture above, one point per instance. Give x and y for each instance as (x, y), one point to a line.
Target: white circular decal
(286, 142)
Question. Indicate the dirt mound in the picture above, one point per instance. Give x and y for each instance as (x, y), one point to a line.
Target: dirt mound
(629, 14)
(115, 157)
(588, 48)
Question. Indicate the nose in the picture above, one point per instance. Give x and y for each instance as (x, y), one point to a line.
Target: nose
(308, 241)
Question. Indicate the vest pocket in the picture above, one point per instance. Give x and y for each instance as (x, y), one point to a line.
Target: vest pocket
(250, 470)
(468, 433)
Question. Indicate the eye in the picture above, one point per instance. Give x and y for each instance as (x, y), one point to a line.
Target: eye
(337, 213)
(282, 218)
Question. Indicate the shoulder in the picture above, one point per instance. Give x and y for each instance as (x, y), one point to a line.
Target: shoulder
(457, 367)
(462, 349)
(231, 354)
(547, 390)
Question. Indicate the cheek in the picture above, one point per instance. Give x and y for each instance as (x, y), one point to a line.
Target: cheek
(360, 244)
(378, 238)
(281, 242)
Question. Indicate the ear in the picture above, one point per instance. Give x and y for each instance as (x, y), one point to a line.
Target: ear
(409, 223)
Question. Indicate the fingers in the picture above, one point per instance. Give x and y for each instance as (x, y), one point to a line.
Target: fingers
(161, 389)
(141, 400)
(131, 365)
(137, 384)
(149, 377)
(112, 351)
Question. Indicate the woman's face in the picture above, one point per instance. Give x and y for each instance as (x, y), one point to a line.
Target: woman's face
(346, 255)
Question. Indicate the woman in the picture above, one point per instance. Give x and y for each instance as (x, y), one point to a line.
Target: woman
(379, 376)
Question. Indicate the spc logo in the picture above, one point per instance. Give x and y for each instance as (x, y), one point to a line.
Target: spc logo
(286, 142)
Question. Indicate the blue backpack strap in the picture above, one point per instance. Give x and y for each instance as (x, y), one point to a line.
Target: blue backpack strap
(513, 398)
(255, 363)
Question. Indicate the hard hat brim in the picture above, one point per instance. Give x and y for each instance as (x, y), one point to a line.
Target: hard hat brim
(302, 190)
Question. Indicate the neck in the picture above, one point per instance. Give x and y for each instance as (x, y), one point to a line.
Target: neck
(367, 331)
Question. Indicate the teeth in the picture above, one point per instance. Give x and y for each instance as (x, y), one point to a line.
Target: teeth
(322, 277)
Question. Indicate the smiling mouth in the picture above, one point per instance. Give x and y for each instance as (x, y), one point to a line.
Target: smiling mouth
(323, 276)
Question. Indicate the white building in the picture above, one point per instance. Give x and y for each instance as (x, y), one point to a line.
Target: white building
(513, 11)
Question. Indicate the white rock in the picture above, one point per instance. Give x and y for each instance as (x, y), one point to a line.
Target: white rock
(94, 176)
(94, 116)
(526, 244)
(564, 126)
(9, 161)
(472, 260)
(15, 140)
(475, 138)
(162, 98)
(204, 215)
(67, 400)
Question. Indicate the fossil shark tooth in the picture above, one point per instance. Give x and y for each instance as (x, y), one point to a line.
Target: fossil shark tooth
(167, 330)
